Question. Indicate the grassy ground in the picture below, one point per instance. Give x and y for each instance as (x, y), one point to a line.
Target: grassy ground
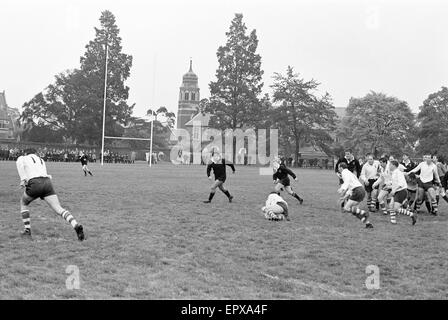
(149, 236)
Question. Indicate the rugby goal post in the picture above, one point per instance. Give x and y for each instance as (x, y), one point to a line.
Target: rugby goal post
(129, 138)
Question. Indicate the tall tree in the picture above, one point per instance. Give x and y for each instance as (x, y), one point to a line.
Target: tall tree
(302, 117)
(234, 101)
(433, 123)
(73, 105)
(378, 123)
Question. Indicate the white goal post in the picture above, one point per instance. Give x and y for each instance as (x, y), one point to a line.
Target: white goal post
(129, 138)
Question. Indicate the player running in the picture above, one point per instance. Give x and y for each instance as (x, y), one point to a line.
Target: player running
(37, 184)
(428, 173)
(369, 175)
(399, 193)
(218, 165)
(276, 208)
(353, 193)
(84, 160)
(281, 179)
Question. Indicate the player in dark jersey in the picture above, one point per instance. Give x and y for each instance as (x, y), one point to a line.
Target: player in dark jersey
(281, 179)
(84, 160)
(218, 165)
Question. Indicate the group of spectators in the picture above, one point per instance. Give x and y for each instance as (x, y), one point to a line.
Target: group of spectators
(12, 152)
(115, 157)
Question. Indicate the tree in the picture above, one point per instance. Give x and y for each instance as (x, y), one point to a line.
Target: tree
(302, 117)
(433, 123)
(73, 105)
(378, 123)
(234, 95)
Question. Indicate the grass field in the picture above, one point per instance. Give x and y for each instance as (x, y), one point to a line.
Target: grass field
(149, 236)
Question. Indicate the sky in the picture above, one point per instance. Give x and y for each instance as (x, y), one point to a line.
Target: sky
(350, 47)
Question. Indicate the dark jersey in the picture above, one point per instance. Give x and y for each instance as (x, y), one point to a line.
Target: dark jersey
(283, 174)
(83, 160)
(408, 167)
(352, 165)
(219, 169)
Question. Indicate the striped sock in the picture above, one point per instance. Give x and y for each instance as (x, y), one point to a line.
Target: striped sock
(393, 217)
(383, 207)
(418, 205)
(26, 219)
(369, 204)
(68, 217)
(360, 214)
(435, 206)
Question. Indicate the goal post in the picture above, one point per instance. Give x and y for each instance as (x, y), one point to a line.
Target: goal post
(128, 138)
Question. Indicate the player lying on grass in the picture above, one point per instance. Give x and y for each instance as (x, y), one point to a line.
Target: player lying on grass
(281, 179)
(399, 194)
(37, 184)
(352, 192)
(275, 208)
(218, 165)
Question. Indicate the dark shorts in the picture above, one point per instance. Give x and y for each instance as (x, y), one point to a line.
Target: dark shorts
(39, 188)
(285, 182)
(425, 186)
(222, 179)
(401, 196)
(369, 187)
(358, 194)
(83, 163)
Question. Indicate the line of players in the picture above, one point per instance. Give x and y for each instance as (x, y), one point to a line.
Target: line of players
(393, 187)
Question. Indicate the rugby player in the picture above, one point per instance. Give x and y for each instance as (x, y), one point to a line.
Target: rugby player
(37, 183)
(353, 191)
(218, 165)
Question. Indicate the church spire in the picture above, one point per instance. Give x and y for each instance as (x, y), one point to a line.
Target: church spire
(191, 65)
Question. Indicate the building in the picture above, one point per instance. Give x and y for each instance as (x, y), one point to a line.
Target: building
(188, 98)
(8, 118)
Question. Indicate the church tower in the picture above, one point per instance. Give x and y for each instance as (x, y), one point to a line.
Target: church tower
(188, 98)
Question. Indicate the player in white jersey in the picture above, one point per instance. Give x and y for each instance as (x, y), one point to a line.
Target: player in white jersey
(399, 193)
(428, 175)
(353, 192)
(384, 184)
(37, 184)
(275, 208)
(369, 175)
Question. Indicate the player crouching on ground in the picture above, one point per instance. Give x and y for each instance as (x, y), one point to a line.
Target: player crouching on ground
(353, 193)
(399, 193)
(276, 208)
(37, 183)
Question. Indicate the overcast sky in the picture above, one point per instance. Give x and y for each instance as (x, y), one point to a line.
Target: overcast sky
(350, 47)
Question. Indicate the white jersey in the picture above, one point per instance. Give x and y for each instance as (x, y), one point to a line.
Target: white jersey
(273, 198)
(369, 171)
(350, 180)
(398, 181)
(31, 166)
(427, 172)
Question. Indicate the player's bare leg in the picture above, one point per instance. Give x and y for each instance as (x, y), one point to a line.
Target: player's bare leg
(292, 193)
(54, 204)
(213, 190)
(25, 200)
(225, 191)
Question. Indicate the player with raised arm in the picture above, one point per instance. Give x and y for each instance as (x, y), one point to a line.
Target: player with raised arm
(353, 191)
(218, 165)
(281, 179)
(37, 184)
